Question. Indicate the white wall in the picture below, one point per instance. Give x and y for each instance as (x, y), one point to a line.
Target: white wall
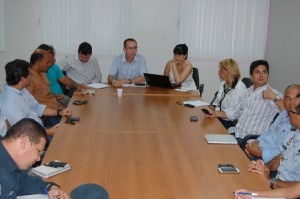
(155, 25)
(283, 47)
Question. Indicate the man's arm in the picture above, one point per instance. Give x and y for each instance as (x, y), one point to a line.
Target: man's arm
(274, 163)
(284, 184)
(57, 112)
(98, 74)
(68, 82)
(271, 95)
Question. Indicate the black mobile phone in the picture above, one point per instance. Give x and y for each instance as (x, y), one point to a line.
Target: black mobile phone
(79, 102)
(56, 164)
(73, 118)
(194, 118)
(189, 105)
(140, 84)
(206, 111)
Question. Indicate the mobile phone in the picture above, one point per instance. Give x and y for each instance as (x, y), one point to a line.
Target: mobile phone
(228, 168)
(194, 118)
(56, 164)
(206, 111)
(140, 84)
(73, 119)
(189, 105)
(79, 102)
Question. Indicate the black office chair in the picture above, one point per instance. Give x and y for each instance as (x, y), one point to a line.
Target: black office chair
(201, 89)
(196, 77)
(247, 81)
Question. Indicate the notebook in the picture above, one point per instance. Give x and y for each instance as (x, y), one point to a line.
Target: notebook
(47, 172)
(158, 80)
(220, 139)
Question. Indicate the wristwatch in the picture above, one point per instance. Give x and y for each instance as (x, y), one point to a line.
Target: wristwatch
(58, 112)
(129, 81)
(276, 98)
(272, 182)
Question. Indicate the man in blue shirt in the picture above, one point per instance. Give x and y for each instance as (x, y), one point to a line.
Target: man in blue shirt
(268, 145)
(20, 148)
(129, 67)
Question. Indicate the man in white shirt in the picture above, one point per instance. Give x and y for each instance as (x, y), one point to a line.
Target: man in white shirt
(82, 68)
(254, 113)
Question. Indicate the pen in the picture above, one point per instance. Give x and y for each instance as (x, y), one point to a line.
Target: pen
(245, 193)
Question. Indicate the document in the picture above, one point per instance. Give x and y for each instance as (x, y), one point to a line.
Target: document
(47, 171)
(34, 196)
(195, 103)
(98, 85)
(220, 139)
(182, 89)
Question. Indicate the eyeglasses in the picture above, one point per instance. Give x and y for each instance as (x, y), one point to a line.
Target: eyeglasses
(294, 113)
(132, 48)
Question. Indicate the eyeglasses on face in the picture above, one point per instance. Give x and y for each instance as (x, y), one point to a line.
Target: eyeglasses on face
(132, 48)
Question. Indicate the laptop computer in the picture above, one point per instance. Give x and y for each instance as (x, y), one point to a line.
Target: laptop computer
(158, 80)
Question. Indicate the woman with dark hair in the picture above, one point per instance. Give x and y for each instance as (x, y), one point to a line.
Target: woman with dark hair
(179, 69)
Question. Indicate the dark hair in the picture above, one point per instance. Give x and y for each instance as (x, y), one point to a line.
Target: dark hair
(85, 48)
(181, 49)
(128, 39)
(48, 48)
(36, 57)
(27, 127)
(15, 70)
(257, 63)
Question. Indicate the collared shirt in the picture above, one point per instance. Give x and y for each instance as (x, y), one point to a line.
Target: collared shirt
(121, 69)
(271, 140)
(15, 182)
(232, 98)
(54, 74)
(20, 104)
(3, 127)
(39, 87)
(289, 168)
(81, 73)
(254, 113)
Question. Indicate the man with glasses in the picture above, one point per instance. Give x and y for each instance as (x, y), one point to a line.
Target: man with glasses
(129, 67)
(20, 148)
(287, 163)
(268, 145)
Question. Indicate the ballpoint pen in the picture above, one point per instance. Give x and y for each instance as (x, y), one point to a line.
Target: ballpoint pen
(245, 193)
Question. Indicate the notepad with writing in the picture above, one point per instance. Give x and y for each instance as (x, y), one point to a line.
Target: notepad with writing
(220, 139)
(46, 172)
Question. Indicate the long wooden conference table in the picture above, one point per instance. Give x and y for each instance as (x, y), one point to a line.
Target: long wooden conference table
(144, 146)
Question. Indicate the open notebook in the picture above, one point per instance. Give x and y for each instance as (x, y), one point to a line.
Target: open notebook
(46, 172)
(220, 139)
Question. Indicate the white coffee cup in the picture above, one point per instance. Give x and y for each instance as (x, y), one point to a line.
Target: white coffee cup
(119, 92)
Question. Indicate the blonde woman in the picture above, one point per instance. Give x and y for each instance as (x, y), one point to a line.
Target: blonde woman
(232, 89)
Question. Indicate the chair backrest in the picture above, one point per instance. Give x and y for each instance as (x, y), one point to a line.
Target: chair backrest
(201, 89)
(247, 81)
(196, 77)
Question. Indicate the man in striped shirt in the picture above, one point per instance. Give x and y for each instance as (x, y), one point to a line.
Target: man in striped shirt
(254, 112)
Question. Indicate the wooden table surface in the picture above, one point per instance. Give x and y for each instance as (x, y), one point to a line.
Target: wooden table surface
(145, 146)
